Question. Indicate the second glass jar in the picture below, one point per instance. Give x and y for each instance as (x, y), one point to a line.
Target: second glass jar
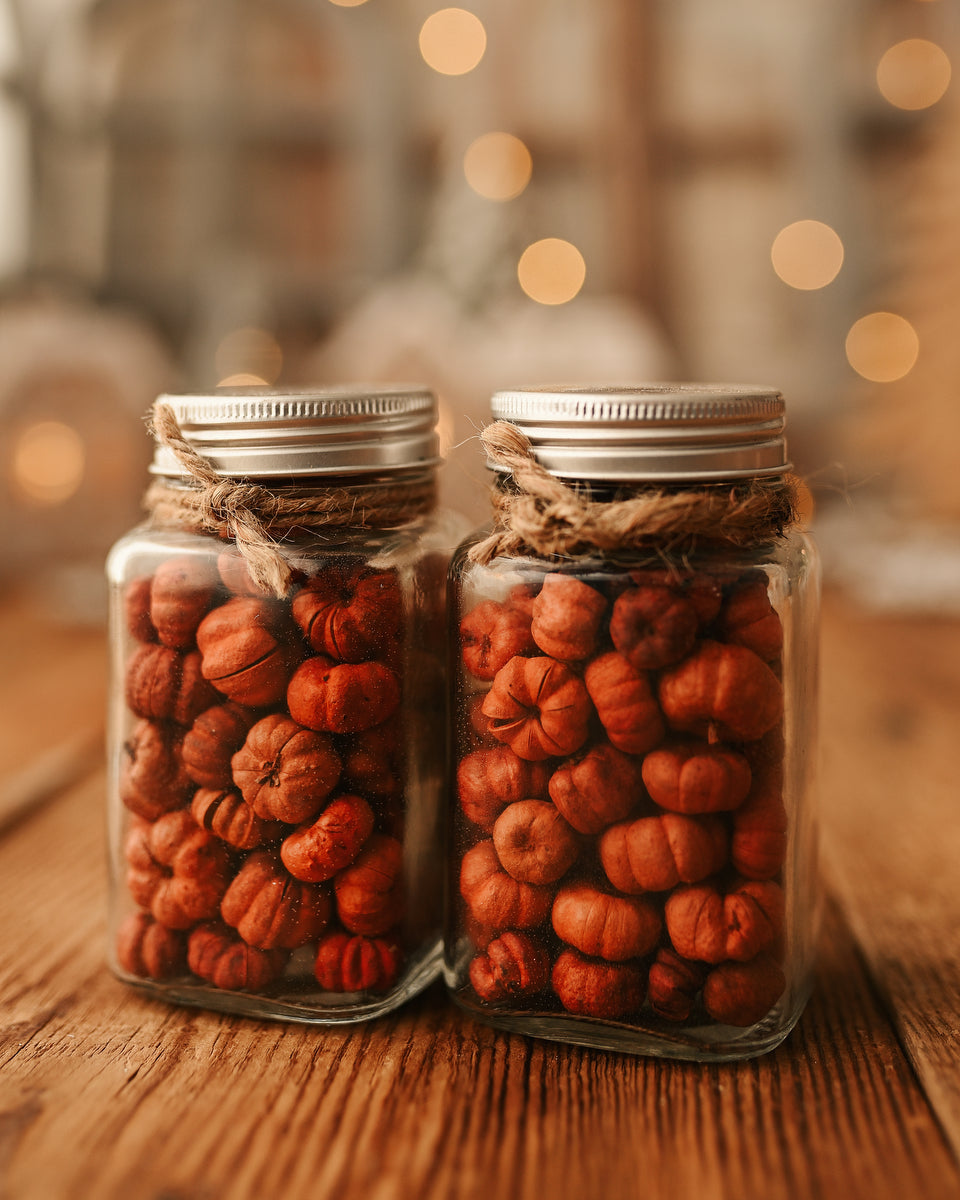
(632, 849)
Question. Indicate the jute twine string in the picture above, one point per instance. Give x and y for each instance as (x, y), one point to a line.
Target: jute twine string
(256, 518)
(541, 515)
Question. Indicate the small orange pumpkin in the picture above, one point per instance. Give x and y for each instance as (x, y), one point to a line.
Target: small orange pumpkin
(496, 900)
(605, 926)
(625, 703)
(694, 777)
(534, 843)
(711, 926)
(370, 891)
(539, 708)
(566, 618)
(723, 691)
(598, 789)
(513, 965)
(284, 771)
(654, 854)
(491, 634)
(592, 987)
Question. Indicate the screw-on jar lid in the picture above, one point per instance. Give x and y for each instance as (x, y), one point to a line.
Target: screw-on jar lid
(346, 430)
(669, 431)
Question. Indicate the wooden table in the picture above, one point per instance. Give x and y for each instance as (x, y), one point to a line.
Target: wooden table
(104, 1093)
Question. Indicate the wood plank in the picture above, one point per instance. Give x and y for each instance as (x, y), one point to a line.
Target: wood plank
(54, 686)
(104, 1092)
(891, 820)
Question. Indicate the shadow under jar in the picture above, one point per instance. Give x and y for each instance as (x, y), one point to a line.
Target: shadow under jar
(632, 850)
(278, 687)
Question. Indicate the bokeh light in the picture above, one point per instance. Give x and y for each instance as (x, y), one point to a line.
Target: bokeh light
(348, 3)
(249, 351)
(243, 379)
(913, 74)
(49, 461)
(452, 41)
(497, 166)
(807, 255)
(551, 271)
(882, 347)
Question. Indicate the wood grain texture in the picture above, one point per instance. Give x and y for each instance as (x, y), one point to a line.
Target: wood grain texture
(54, 687)
(107, 1093)
(891, 821)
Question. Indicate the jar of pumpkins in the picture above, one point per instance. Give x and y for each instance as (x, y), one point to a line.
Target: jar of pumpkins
(632, 842)
(276, 779)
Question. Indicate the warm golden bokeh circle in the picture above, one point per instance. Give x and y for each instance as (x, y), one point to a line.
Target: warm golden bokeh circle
(882, 347)
(497, 166)
(49, 461)
(914, 74)
(807, 254)
(452, 41)
(249, 352)
(551, 271)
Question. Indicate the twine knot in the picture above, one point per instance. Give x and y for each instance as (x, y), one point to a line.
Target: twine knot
(543, 516)
(256, 518)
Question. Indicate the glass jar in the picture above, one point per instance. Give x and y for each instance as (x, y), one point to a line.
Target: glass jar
(275, 769)
(632, 851)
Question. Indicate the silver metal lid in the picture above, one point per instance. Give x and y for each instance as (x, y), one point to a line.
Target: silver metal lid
(651, 431)
(298, 432)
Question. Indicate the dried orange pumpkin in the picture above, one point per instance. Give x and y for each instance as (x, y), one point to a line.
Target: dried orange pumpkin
(653, 627)
(317, 852)
(229, 817)
(605, 926)
(181, 593)
(270, 909)
(722, 690)
(513, 965)
(212, 741)
(743, 993)
(567, 616)
(496, 900)
(167, 685)
(249, 650)
(749, 619)
(490, 779)
(370, 891)
(596, 988)
(695, 777)
(625, 703)
(348, 962)
(491, 634)
(654, 854)
(176, 869)
(342, 697)
(598, 789)
(153, 779)
(285, 772)
(534, 843)
(711, 926)
(149, 949)
(673, 984)
(701, 591)
(349, 613)
(216, 954)
(539, 708)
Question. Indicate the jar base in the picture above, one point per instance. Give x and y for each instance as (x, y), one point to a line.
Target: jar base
(325, 1008)
(709, 1043)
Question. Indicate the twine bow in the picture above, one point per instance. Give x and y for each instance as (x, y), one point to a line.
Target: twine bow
(255, 517)
(541, 515)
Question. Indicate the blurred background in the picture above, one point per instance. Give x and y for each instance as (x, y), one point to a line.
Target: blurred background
(300, 191)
